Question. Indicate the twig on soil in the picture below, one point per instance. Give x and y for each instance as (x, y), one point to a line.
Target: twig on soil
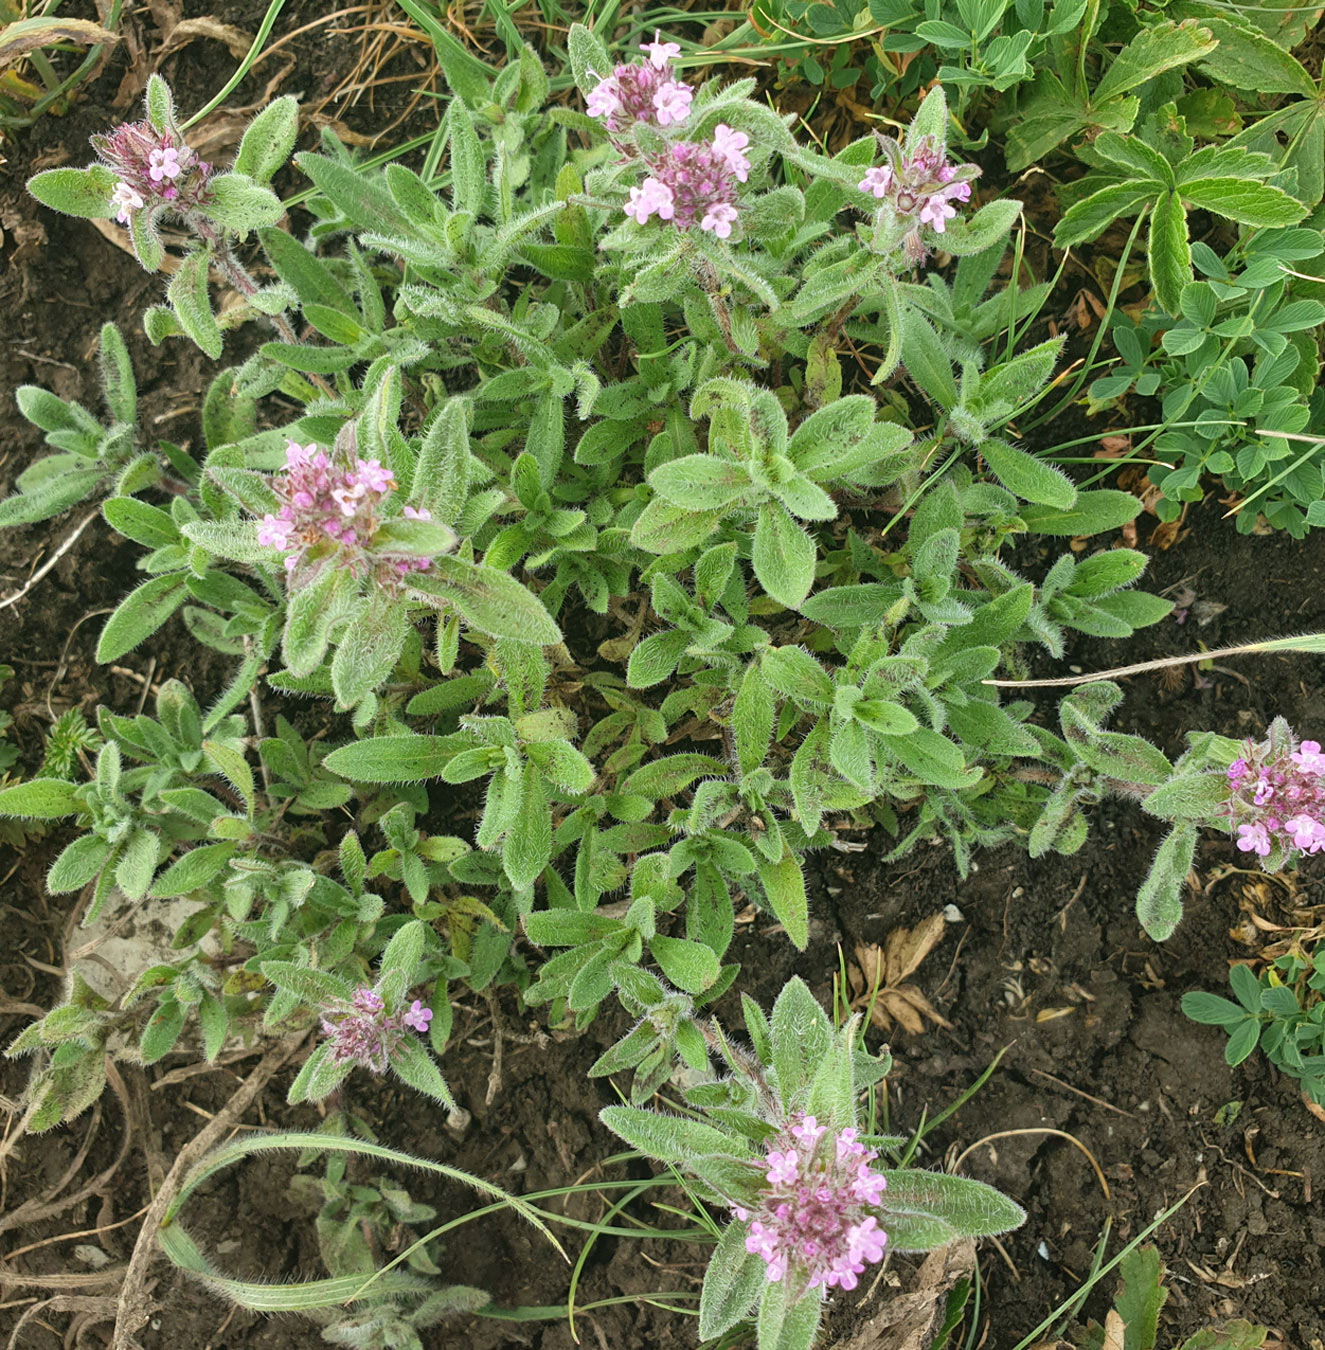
(65, 545)
(1058, 1134)
(134, 1306)
(1099, 1101)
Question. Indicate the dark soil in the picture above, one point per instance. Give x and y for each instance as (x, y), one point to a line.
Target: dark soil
(1046, 959)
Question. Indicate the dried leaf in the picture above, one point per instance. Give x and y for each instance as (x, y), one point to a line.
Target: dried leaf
(907, 1321)
(1114, 1329)
(27, 35)
(205, 26)
(906, 948)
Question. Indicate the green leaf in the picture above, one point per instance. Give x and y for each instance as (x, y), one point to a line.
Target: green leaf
(732, 1283)
(690, 966)
(1169, 253)
(317, 988)
(310, 613)
(79, 862)
(416, 1067)
(527, 847)
(752, 720)
(589, 59)
(655, 659)
(795, 674)
(117, 382)
(133, 872)
(1242, 1041)
(468, 167)
(1029, 478)
(923, 1210)
(1159, 901)
(369, 649)
(240, 205)
(233, 767)
(1245, 201)
(1092, 215)
(192, 871)
(664, 527)
(310, 279)
(785, 1321)
(784, 885)
(701, 482)
(366, 203)
(1155, 49)
(674, 1139)
(672, 774)
(392, 759)
(1247, 59)
(1099, 511)
(268, 140)
(491, 601)
(926, 361)
(52, 497)
(140, 614)
(76, 192)
(162, 1030)
(783, 556)
(192, 304)
(1211, 1009)
(147, 525)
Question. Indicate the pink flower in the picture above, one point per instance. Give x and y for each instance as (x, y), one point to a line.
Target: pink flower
(672, 103)
(813, 1215)
(660, 52)
(692, 184)
(416, 513)
(806, 1132)
(651, 198)
(641, 93)
(1254, 839)
(936, 212)
(331, 511)
(127, 200)
(1236, 770)
(418, 1017)
(374, 477)
(164, 163)
(274, 532)
(1307, 833)
(1308, 758)
(877, 180)
(730, 144)
(604, 99)
(719, 219)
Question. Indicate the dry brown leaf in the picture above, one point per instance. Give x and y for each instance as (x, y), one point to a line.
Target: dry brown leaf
(906, 1322)
(1114, 1329)
(876, 977)
(907, 948)
(205, 26)
(42, 32)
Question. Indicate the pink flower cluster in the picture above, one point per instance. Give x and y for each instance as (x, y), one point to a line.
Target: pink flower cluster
(695, 183)
(155, 168)
(325, 501)
(921, 186)
(690, 183)
(362, 1033)
(813, 1218)
(1277, 794)
(642, 93)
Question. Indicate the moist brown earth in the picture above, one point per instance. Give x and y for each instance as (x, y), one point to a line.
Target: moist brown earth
(1043, 961)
